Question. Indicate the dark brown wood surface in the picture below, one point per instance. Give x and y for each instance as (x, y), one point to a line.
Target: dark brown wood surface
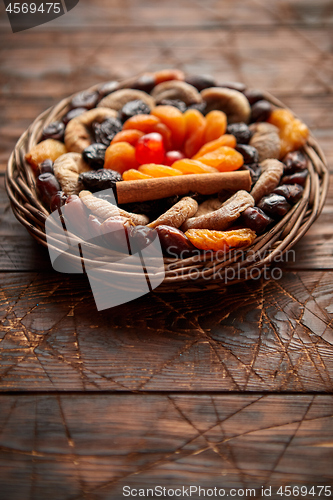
(227, 389)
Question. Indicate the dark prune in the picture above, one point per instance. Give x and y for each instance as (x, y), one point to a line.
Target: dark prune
(200, 106)
(85, 99)
(274, 205)
(58, 200)
(254, 218)
(132, 108)
(297, 178)
(201, 82)
(55, 131)
(46, 167)
(47, 186)
(98, 180)
(176, 103)
(233, 86)
(73, 113)
(146, 83)
(140, 237)
(249, 153)
(107, 88)
(254, 169)
(261, 111)
(94, 155)
(254, 96)
(294, 162)
(241, 131)
(105, 131)
(174, 243)
(291, 192)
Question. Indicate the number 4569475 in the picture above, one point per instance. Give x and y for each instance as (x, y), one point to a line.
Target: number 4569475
(31, 8)
(303, 491)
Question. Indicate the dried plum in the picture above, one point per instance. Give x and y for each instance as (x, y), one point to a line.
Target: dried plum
(274, 205)
(200, 106)
(54, 130)
(201, 82)
(146, 83)
(176, 103)
(104, 132)
(132, 108)
(241, 131)
(254, 96)
(85, 99)
(255, 219)
(98, 180)
(249, 153)
(291, 192)
(261, 111)
(107, 88)
(73, 113)
(294, 162)
(94, 155)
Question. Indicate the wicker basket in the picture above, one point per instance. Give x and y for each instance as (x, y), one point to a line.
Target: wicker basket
(194, 273)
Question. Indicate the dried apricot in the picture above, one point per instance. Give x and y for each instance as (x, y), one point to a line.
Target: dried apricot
(131, 136)
(133, 175)
(158, 170)
(187, 166)
(169, 74)
(216, 125)
(292, 131)
(120, 157)
(207, 239)
(147, 124)
(195, 130)
(225, 159)
(174, 120)
(224, 140)
(48, 149)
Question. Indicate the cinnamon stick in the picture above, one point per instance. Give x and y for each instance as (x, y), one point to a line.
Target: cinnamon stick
(162, 187)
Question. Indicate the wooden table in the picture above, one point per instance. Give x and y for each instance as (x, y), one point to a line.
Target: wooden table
(228, 389)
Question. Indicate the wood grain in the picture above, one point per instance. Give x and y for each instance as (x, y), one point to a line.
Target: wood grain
(91, 446)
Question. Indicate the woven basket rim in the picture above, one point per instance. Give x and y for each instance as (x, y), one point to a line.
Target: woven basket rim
(20, 187)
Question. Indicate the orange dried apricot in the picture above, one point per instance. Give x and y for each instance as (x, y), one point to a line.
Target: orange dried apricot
(225, 159)
(148, 124)
(195, 130)
(174, 120)
(48, 149)
(216, 125)
(158, 170)
(120, 157)
(292, 131)
(165, 75)
(224, 140)
(131, 136)
(208, 239)
(187, 166)
(133, 175)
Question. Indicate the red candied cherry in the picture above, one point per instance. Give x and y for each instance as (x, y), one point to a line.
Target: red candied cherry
(150, 149)
(172, 156)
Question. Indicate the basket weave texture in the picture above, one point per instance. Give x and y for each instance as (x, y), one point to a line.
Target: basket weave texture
(196, 273)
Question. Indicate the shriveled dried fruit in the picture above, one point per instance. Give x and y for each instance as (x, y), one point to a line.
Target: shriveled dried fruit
(233, 85)
(165, 75)
(176, 103)
(132, 108)
(107, 88)
(225, 159)
(177, 214)
(291, 192)
(293, 132)
(119, 98)
(223, 217)
(120, 156)
(274, 205)
(295, 161)
(208, 206)
(148, 124)
(266, 140)
(176, 90)
(47, 186)
(206, 239)
(54, 130)
(73, 113)
(67, 169)
(195, 131)
(114, 232)
(272, 171)
(94, 155)
(131, 136)
(77, 133)
(187, 166)
(261, 111)
(58, 200)
(146, 83)
(174, 243)
(85, 99)
(99, 180)
(224, 140)
(254, 169)
(216, 125)
(201, 82)
(132, 175)
(104, 132)
(255, 219)
(233, 103)
(48, 149)
(253, 96)
(155, 170)
(140, 237)
(249, 153)
(104, 209)
(174, 120)
(46, 167)
(241, 131)
(297, 178)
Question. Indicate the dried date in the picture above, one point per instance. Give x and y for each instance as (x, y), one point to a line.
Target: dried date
(274, 205)
(174, 243)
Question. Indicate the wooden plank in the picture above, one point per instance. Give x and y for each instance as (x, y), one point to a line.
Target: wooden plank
(85, 446)
(259, 336)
